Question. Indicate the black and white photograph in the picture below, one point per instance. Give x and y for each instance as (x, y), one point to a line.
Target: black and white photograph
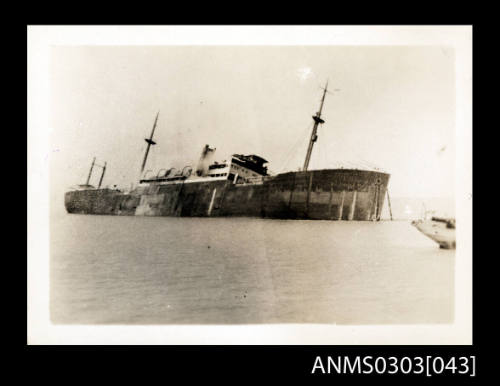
(250, 185)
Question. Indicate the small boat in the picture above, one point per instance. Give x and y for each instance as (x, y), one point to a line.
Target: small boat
(441, 230)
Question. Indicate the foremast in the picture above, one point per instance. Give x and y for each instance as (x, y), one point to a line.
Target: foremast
(150, 142)
(314, 133)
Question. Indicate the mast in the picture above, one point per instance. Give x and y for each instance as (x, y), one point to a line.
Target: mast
(102, 175)
(150, 142)
(314, 136)
(90, 172)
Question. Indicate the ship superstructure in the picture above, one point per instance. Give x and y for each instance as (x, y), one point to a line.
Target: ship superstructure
(239, 169)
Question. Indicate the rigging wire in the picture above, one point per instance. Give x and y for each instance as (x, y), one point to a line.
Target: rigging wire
(325, 153)
(322, 151)
(152, 159)
(372, 165)
(293, 150)
(302, 142)
(135, 166)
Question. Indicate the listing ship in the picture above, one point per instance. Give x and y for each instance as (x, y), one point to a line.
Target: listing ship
(240, 186)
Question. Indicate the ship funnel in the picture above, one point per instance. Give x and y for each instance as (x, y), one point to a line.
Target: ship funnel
(206, 158)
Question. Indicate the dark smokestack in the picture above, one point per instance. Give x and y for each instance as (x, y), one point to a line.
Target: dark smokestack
(207, 155)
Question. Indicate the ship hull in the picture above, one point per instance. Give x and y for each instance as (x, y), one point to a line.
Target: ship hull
(332, 194)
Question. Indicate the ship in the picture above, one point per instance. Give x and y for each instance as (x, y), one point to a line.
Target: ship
(239, 186)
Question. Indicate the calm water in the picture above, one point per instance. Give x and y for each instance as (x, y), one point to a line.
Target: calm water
(152, 270)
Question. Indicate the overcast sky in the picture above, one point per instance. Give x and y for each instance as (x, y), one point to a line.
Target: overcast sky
(394, 109)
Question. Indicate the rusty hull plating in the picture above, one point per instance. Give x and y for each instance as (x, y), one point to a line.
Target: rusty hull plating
(331, 194)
